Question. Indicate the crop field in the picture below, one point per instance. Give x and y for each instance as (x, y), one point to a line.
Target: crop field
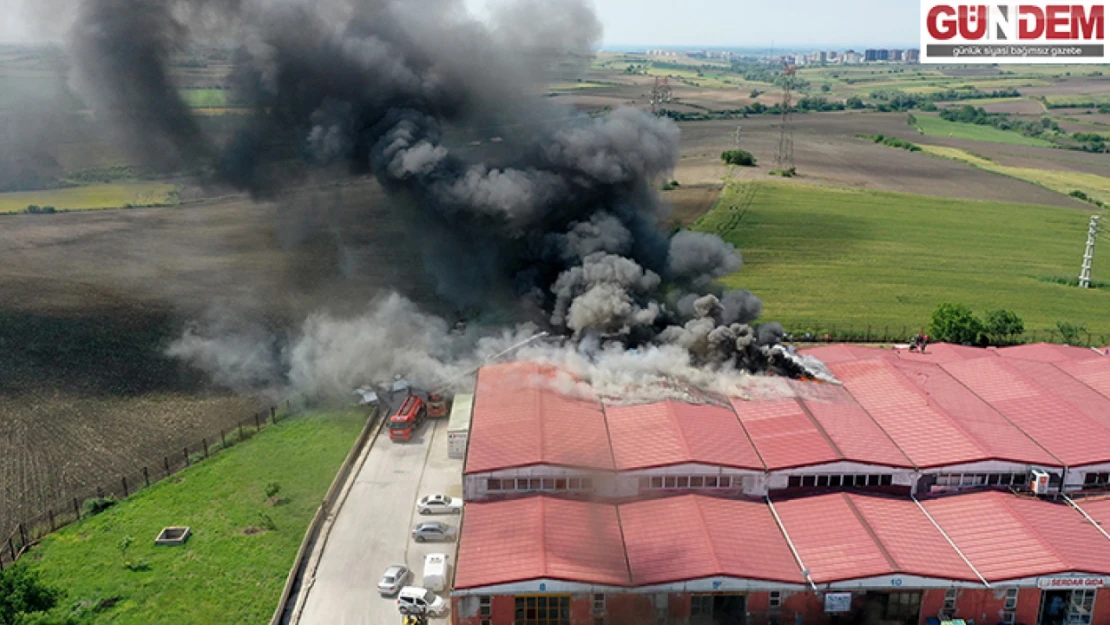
(92, 197)
(1095, 186)
(233, 567)
(937, 127)
(204, 98)
(822, 257)
(1077, 100)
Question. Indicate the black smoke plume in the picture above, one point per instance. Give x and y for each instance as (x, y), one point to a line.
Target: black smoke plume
(561, 218)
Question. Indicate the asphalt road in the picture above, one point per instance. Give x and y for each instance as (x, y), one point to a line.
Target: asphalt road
(372, 530)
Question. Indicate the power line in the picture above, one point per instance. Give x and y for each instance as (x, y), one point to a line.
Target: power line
(1089, 254)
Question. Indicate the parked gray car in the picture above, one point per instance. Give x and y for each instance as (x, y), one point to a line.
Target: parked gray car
(432, 530)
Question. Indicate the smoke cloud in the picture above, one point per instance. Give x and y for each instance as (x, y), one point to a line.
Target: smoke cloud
(560, 226)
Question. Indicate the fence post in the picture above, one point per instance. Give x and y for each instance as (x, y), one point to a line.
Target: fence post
(23, 534)
(146, 477)
(166, 463)
(273, 414)
(902, 336)
(257, 424)
(99, 493)
(223, 439)
(126, 492)
(11, 547)
(186, 454)
(240, 430)
(1052, 336)
(76, 509)
(204, 441)
(53, 526)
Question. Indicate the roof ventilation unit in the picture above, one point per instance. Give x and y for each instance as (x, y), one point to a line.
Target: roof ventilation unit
(1039, 483)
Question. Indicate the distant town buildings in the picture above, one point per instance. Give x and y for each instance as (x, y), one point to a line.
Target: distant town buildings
(819, 57)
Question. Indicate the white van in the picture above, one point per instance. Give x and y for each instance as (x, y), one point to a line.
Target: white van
(417, 600)
(435, 571)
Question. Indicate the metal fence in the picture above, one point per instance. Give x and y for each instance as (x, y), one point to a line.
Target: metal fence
(78, 505)
(866, 333)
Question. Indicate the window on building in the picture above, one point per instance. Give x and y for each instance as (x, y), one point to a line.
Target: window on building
(1020, 479)
(697, 481)
(1011, 599)
(682, 482)
(657, 482)
(599, 603)
(794, 481)
(669, 482)
(711, 481)
(873, 480)
(701, 605)
(574, 483)
(887, 480)
(543, 610)
(493, 484)
(1081, 606)
(776, 599)
(950, 601)
(822, 480)
(809, 480)
(903, 606)
(561, 483)
(1009, 617)
(485, 606)
(1096, 480)
(726, 481)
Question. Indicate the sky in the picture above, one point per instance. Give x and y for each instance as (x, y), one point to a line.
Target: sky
(732, 23)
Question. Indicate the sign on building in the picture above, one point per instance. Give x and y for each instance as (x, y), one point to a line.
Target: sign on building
(1037, 31)
(838, 602)
(1070, 582)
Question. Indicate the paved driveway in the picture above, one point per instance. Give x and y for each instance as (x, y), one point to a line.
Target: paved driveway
(372, 529)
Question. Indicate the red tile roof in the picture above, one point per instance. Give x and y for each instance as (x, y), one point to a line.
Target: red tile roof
(831, 539)
(1047, 352)
(911, 540)
(693, 537)
(795, 423)
(1098, 508)
(521, 420)
(671, 432)
(538, 538)
(927, 435)
(944, 352)
(838, 536)
(1048, 418)
(991, 431)
(1095, 373)
(1006, 537)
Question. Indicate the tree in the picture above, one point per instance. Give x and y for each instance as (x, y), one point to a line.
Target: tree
(826, 88)
(1069, 332)
(738, 157)
(1003, 327)
(23, 594)
(955, 323)
(123, 545)
(854, 102)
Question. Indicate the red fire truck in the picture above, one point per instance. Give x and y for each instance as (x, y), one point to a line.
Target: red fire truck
(407, 418)
(437, 406)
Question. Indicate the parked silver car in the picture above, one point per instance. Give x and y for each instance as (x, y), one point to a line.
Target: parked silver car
(393, 580)
(432, 530)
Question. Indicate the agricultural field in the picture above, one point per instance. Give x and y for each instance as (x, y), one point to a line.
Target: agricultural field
(1065, 182)
(243, 536)
(822, 257)
(937, 127)
(204, 98)
(92, 197)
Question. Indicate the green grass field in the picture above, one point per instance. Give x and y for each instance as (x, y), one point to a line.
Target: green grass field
(222, 574)
(92, 197)
(1095, 186)
(204, 98)
(822, 257)
(1078, 100)
(937, 127)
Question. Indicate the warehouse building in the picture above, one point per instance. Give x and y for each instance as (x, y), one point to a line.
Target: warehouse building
(837, 557)
(950, 419)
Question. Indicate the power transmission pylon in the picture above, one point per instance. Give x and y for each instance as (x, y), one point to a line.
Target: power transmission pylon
(1089, 255)
(784, 158)
(737, 135)
(660, 94)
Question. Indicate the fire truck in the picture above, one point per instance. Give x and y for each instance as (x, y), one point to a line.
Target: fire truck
(408, 417)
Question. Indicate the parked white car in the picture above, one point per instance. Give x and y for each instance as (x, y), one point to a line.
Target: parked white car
(439, 504)
(417, 600)
(394, 579)
(432, 530)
